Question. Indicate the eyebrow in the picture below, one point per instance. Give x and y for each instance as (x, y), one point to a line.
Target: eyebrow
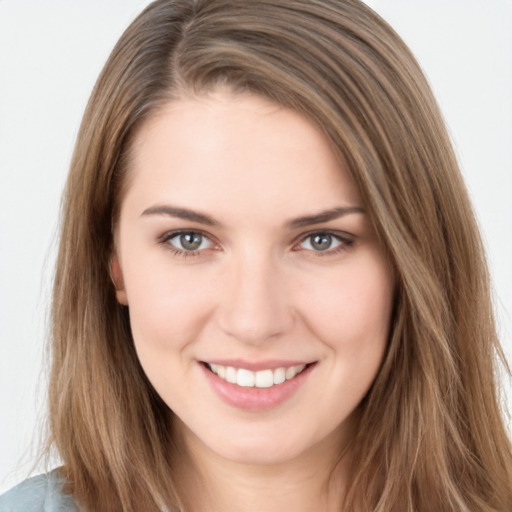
(299, 222)
(325, 216)
(181, 213)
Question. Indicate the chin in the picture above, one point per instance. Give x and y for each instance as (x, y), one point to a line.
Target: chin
(258, 455)
(265, 447)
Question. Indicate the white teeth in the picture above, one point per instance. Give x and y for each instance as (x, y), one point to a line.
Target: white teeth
(245, 378)
(221, 371)
(279, 375)
(230, 374)
(290, 373)
(263, 379)
(294, 370)
(260, 379)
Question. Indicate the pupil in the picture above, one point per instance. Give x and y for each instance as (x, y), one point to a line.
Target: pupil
(321, 242)
(190, 241)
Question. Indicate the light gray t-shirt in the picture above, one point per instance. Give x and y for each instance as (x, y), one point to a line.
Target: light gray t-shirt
(41, 493)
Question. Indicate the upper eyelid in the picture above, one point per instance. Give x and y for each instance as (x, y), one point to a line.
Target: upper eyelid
(168, 235)
(343, 235)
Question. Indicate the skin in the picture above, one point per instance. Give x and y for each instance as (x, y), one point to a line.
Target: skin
(256, 290)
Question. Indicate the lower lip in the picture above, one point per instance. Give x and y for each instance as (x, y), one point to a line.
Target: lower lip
(256, 399)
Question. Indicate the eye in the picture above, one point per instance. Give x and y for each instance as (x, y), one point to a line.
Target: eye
(187, 241)
(324, 242)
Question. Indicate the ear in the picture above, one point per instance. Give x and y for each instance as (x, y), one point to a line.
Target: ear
(117, 278)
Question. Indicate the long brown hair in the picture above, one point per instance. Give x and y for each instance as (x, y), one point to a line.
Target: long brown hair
(431, 435)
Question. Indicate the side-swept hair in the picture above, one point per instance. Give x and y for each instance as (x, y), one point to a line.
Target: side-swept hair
(431, 436)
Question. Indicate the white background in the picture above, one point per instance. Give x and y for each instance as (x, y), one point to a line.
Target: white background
(50, 55)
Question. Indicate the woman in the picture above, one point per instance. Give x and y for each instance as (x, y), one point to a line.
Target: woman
(271, 293)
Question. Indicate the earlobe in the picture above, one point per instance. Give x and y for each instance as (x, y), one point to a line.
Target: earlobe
(117, 278)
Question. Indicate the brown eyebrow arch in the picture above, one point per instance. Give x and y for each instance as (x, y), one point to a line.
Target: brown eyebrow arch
(181, 213)
(326, 216)
(299, 222)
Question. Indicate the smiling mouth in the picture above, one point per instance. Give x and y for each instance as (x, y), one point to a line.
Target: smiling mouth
(259, 379)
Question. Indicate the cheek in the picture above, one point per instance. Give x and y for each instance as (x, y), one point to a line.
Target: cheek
(167, 307)
(352, 310)
(167, 314)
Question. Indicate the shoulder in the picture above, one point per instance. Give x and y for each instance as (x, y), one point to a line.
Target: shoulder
(41, 493)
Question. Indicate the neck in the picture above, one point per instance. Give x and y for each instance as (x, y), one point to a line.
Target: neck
(313, 481)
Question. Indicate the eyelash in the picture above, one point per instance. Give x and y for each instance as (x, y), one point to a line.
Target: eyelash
(345, 242)
(167, 237)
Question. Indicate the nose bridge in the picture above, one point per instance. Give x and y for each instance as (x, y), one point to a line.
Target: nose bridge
(255, 303)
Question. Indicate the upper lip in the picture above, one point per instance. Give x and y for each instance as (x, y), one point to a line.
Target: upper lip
(268, 364)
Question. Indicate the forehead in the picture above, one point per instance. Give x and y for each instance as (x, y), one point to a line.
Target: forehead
(221, 148)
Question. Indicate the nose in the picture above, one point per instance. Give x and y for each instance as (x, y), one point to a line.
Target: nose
(255, 302)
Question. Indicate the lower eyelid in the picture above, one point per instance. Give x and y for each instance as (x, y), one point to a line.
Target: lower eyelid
(182, 253)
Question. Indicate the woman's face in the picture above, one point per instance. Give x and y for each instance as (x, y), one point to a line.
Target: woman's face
(245, 255)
